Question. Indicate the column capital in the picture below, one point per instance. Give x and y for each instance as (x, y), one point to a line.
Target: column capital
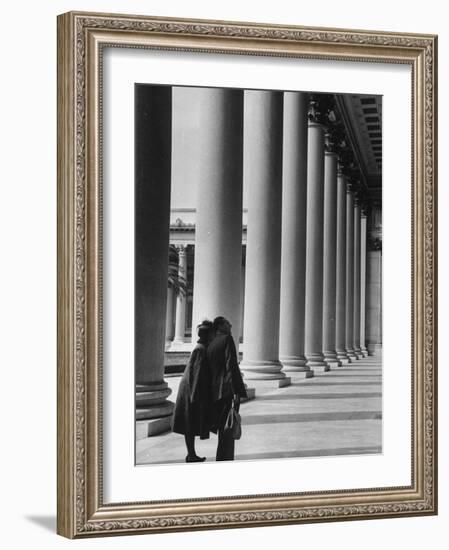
(182, 249)
(364, 207)
(349, 186)
(374, 243)
(330, 146)
(321, 109)
(336, 140)
(354, 186)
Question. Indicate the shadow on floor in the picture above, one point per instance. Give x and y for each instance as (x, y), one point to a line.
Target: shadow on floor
(355, 375)
(311, 453)
(46, 522)
(310, 417)
(303, 396)
(327, 384)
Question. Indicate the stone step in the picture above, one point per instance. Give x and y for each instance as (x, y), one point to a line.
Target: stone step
(321, 368)
(149, 428)
(333, 364)
(300, 374)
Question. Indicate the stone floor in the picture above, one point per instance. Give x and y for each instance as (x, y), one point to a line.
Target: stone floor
(334, 413)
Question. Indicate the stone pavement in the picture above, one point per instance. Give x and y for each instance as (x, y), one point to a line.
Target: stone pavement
(334, 413)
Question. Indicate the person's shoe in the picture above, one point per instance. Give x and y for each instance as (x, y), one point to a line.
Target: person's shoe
(195, 458)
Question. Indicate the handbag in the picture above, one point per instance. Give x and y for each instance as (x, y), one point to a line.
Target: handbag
(233, 424)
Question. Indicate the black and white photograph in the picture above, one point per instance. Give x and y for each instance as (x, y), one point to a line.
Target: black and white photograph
(258, 274)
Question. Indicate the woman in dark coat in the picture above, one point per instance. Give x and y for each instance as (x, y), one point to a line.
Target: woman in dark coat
(192, 408)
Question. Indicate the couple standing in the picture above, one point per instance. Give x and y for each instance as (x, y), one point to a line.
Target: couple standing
(210, 386)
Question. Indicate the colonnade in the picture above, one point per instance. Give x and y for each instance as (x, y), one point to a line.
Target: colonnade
(305, 269)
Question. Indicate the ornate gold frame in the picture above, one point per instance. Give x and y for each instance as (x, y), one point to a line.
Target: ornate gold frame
(81, 511)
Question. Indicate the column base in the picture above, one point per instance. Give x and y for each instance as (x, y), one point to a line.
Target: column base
(375, 350)
(316, 361)
(330, 358)
(153, 411)
(156, 426)
(149, 395)
(262, 370)
(295, 364)
(299, 374)
(364, 352)
(351, 355)
(262, 385)
(343, 358)
(321, 368)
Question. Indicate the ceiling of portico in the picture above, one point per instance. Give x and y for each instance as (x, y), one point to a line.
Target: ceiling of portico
(362, 117)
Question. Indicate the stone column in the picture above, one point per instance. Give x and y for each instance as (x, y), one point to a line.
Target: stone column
(180, 322)
(263, 174)
(217, 166)
(313, 337)
(374, 282)
(373, 302)
(152, 218)
(340, 325)
(293, 256)
(169, 317)
(329, 258)
(350, 274)
(363, 282)
(357, 220)
(242, 299)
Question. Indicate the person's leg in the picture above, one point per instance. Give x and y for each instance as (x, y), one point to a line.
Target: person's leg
(190, 444)
(226, 444)
(191, 453)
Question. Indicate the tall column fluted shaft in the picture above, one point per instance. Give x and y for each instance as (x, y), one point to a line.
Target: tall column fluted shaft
(356, 313)
(350, 275)
(374, 281)
(153, 123)
(180, 318)
(263, 175)
(218, 170)
(340, 325)
(293, 256)
(329, 258)
(363, 283)
(313, 337)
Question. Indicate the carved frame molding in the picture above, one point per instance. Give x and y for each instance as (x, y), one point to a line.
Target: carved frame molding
(81, 37)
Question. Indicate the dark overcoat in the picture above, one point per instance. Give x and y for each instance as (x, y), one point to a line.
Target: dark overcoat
(192, 409)
(226, 378)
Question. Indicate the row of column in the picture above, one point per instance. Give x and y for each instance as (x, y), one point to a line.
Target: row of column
(292, 290)
(303, 287)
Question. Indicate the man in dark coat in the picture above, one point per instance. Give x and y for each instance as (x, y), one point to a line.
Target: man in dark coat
(226, 384)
